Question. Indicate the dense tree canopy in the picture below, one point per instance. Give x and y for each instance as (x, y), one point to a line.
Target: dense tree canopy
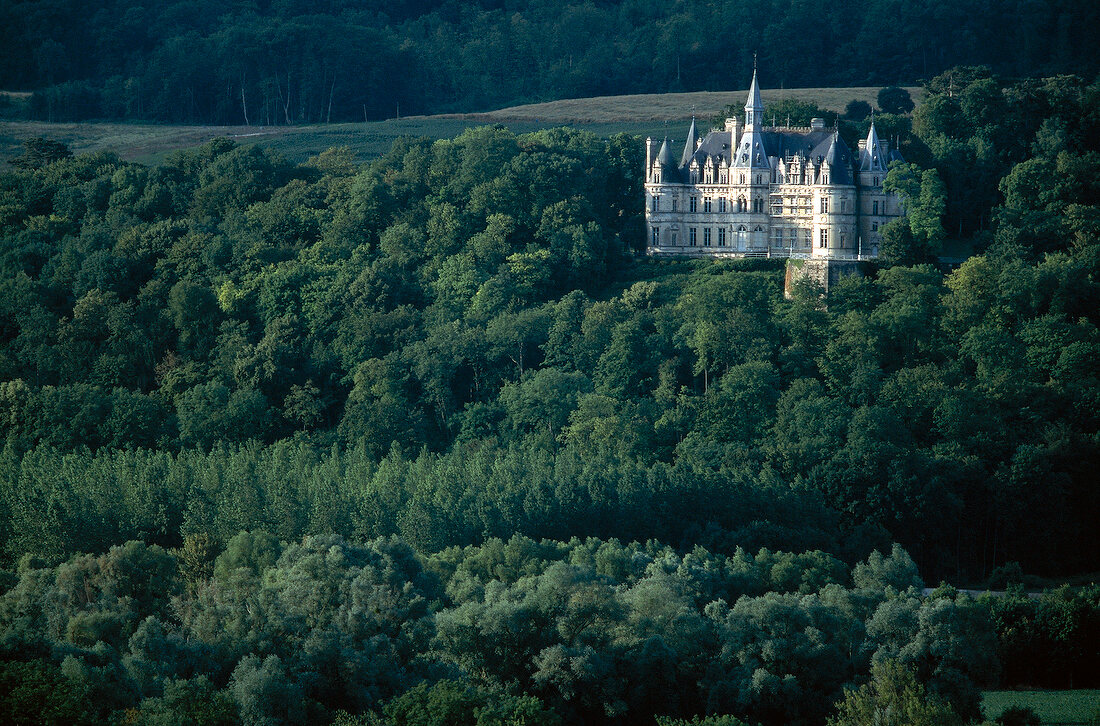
(363, 442)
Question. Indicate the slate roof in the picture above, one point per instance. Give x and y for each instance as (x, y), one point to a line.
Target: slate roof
(871, 157)
(689, 145)
(816, 145)
(839, 161)
(669, 172)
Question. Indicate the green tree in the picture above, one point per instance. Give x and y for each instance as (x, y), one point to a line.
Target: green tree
(893, 696)
(895, 100)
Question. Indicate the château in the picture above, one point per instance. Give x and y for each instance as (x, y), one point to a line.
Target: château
(778, 191)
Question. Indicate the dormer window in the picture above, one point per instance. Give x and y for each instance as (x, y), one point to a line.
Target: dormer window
(694, 176)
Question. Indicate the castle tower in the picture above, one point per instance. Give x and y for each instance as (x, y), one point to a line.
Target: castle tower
(690, 145)
(835, 204)
(876, 207)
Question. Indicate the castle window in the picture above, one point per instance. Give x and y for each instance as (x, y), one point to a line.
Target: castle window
(723, 177)
(741, 178)
(757, 178)
(824, 205)
(694, 176)
(824, 238)
(674, 236)
(741, 204)
(876, 181)
(758, 205)
(722, 204)
(706, 204)
(806, 238)
(656, 202)
(694, 201)
(691, 236)
(824, 178)
(874, 207)
(706, 236)
(656, 236)
(656, 176)
(721, 236)
(674, 204)
(874, 226)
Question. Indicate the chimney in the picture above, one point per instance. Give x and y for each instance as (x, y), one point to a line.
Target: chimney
(817, 124)
(648, 157)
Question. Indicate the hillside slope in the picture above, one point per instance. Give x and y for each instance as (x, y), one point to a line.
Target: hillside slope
(647, 114)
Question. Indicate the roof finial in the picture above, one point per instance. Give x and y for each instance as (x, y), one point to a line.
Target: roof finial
(754, 61)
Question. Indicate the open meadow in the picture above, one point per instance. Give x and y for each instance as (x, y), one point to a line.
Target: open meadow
(643, 115)
(1055, 708)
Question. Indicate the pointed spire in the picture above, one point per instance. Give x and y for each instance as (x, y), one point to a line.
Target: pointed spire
(690, 144)
(870, 159)
(754, 107)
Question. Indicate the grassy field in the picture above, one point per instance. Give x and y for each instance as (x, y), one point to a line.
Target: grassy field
(1055, 708)
(645, 115)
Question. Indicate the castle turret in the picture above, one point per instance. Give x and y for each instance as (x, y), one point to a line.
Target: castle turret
(754, 106)
(665, 168)
(750, 152)
(690, 145)
(871, 157)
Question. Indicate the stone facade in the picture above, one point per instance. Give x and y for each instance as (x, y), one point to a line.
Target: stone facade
(756, 190)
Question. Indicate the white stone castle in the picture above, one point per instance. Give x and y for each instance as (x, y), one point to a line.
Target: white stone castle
(756, 190)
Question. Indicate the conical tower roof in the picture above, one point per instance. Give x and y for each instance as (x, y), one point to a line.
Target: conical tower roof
(690, 144)
(664, 156)
(870, 158)
(837, 159)
(754, 106)
(669, 172)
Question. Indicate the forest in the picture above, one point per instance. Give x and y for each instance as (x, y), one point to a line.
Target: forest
(420, 440)
(269, 62)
